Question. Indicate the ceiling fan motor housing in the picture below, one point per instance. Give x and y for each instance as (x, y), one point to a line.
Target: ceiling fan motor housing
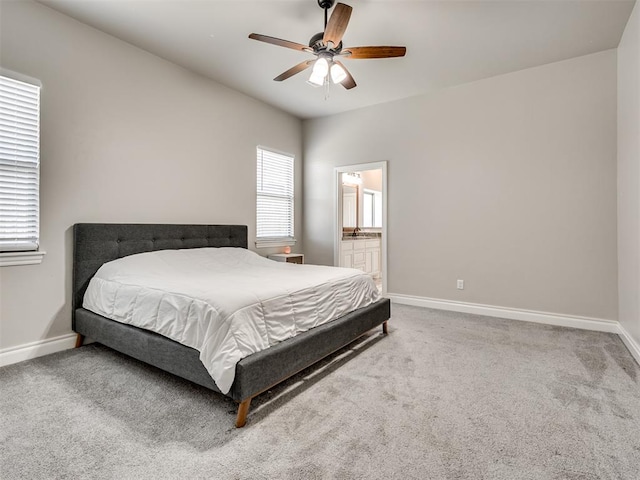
(326, 4)
(318, 45)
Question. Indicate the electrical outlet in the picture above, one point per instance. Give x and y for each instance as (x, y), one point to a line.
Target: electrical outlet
(460, 284)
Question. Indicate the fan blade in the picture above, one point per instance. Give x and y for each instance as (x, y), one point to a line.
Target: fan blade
(293, 70)
(280, 43)
(348, 82)
(374, 52)
(337, 24)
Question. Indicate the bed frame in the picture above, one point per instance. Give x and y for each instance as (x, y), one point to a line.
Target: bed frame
(98, 243)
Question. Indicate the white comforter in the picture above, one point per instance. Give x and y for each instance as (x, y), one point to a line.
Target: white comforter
(226, 303)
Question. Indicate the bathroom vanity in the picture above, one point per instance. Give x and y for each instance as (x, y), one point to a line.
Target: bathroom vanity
(362, 253)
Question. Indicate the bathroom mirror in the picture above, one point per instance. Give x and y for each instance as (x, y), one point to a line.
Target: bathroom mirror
(349, 206)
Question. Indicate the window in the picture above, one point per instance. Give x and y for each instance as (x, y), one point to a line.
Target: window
(274, 209)
(19, 169)
(372, 208)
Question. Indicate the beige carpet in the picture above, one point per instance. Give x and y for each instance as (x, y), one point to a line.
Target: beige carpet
(444, 396)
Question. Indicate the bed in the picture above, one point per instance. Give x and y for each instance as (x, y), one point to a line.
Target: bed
(96, 244)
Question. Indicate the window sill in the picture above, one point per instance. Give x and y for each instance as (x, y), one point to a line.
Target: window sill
(275, 242)
(12, 259)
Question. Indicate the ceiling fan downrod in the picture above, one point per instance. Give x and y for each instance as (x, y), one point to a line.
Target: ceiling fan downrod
(326, 5)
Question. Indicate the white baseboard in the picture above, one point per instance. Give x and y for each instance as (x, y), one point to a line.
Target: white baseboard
(36, 349)
(31, 350)
(630, 343)
(585, 323)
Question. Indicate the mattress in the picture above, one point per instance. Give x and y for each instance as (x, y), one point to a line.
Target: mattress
(227, 303)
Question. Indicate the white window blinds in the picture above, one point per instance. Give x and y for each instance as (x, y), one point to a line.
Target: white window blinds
(19, 165)
(274, 196)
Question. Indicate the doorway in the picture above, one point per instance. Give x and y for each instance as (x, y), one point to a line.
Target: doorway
(360, 219)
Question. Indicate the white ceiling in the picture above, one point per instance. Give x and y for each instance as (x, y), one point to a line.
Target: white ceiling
(448, 42)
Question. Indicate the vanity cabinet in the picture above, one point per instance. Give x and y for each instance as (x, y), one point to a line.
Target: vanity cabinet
(346, 254)
(363, 254)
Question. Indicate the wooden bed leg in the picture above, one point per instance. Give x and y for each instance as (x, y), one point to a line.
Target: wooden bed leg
(243, 409)
(385, 330)
(79, 340)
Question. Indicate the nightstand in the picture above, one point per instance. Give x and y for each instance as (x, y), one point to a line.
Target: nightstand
(287, 257)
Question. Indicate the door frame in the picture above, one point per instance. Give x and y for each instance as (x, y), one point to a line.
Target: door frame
(337, 210)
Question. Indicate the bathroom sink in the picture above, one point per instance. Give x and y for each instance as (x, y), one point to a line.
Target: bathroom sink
(361, 236)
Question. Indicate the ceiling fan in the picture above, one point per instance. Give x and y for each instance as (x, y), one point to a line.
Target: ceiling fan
(327, 46)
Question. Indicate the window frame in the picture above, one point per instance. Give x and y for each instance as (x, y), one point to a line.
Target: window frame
(275, 241)
(31, 254)
(376, 207)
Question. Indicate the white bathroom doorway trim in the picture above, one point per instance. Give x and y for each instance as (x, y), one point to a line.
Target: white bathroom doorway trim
(337, 217)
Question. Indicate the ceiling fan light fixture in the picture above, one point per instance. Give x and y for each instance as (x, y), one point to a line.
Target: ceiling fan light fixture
(316, 80)
(337, 73)
(319, 72)
(321, 67)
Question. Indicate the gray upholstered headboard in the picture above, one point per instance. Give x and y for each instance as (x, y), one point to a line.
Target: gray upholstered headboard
(98, 243)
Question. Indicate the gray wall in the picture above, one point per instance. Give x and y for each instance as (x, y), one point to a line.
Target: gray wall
(508, 183)
(126, 137)
(629, 176)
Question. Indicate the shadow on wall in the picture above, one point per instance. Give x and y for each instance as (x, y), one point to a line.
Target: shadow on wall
(61, 321)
